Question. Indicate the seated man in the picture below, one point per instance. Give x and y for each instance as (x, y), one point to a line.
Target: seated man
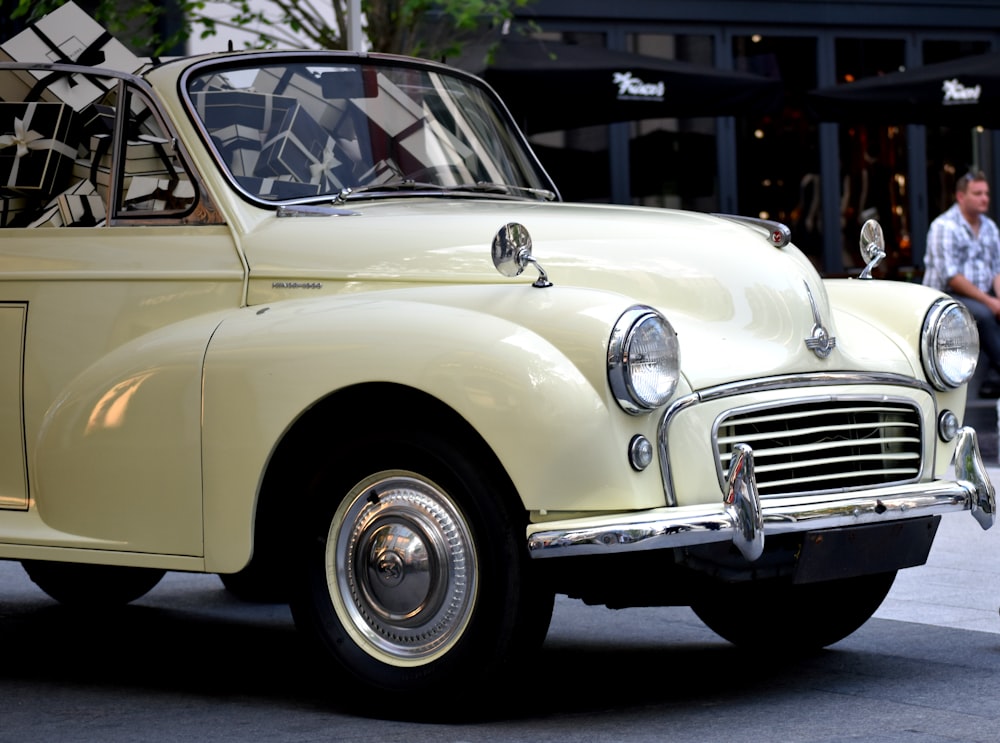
(963, 259)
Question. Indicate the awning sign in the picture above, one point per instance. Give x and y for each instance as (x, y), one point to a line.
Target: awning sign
(631, 88)
(955, 93)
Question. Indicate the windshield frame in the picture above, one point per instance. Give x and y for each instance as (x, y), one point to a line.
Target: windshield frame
(534, 182)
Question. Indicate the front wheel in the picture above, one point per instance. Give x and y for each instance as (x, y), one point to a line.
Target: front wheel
(415, 577)
(781, 615)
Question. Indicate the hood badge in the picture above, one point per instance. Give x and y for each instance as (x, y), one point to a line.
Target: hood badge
(820, 342)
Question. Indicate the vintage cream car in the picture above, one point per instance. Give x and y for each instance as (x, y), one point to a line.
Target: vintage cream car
(320, 323)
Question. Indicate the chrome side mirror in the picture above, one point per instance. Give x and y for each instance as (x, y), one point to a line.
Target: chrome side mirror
(512, 253)
(872, 247)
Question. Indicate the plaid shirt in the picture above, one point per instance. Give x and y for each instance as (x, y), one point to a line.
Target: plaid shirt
(952, 249)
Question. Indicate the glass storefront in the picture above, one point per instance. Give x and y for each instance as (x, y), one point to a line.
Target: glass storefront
(784, 168)
(778, 154)
(873, 161)
(578, 160)
(672, 162)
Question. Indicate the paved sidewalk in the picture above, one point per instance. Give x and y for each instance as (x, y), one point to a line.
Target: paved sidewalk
(960, 584)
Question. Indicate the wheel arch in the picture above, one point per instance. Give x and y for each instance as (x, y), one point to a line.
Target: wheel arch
(289, 469)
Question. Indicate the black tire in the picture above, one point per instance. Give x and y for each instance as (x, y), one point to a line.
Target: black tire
(797, 618)
(415, 578)
(92, 586)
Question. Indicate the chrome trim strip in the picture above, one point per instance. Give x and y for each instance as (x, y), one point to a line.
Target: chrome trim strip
(928, 333)
(820, 342)
(767, 384)
(314, 210)
(667, 528)
(817, 379)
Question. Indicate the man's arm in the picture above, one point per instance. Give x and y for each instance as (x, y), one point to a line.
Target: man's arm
(961, 285)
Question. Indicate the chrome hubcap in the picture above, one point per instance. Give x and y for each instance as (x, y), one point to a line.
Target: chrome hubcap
(401, 568)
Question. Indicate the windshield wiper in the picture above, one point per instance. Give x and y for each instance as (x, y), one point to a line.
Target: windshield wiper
(411, 185)
(401, 185)
(488, 187)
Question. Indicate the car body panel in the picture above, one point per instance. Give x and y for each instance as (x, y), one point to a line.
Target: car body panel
(165, 359)
(100, 304)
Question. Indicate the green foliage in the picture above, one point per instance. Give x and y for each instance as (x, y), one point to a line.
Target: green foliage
(429, 28)
(432, 28)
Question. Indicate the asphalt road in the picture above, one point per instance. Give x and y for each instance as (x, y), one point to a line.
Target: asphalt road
(190, 663)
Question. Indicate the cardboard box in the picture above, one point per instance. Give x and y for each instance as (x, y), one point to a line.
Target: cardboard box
(12, 87)
(212, 82)
(146, 193)
(85, 169)
(14, 210)
(393, 111)
(48, 218)
(68, 34)
(38, 145)
(80, 210)
(306, 90)
(383, 171)
(140, 156)
(221, 109)
(240, 122)
(301, 149)
(81, 206)
(239, 147)
(98, 118)
(78, 206)
(149, 154)
(100, 176)
(426, 148)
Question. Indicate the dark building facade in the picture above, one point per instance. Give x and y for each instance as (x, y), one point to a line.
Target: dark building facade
(823, 178)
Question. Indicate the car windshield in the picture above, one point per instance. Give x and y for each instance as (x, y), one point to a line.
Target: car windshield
(303, 129)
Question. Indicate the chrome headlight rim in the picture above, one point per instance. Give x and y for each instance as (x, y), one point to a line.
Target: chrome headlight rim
(940, 319)
(637, 385)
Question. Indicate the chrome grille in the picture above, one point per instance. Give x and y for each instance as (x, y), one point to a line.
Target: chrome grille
(823, 446)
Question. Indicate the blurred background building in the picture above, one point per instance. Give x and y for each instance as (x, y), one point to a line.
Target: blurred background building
(821, 177)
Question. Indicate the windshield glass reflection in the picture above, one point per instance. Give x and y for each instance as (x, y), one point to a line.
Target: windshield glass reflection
(298, 130)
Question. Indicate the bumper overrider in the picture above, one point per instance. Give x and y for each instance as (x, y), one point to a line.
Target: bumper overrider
(744, 520)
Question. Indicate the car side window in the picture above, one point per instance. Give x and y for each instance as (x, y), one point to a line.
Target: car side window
(57, 157)
(152, 178)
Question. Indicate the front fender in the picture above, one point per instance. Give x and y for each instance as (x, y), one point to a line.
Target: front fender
(896, 308)
(895, 311)
(539, 401)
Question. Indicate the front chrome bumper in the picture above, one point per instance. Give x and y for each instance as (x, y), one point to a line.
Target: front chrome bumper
(744, 520)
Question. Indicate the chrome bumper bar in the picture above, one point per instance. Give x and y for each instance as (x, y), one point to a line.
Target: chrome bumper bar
(744, 520)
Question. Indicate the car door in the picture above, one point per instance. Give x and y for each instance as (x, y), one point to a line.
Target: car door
(112, 279)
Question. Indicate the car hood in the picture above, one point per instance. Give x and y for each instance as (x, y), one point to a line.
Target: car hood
(741, 306)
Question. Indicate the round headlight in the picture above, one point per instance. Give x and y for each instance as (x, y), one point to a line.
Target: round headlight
(949, 344)
(643, 360)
